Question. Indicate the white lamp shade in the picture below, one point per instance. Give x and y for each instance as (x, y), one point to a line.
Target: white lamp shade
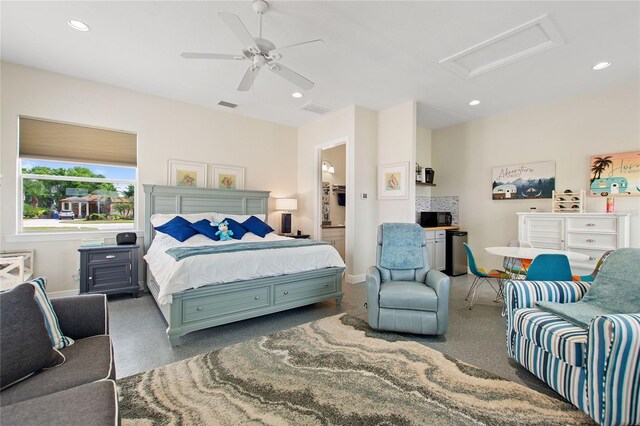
(286, 204)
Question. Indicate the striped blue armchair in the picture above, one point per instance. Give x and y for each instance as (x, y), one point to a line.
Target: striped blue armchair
(597, 370)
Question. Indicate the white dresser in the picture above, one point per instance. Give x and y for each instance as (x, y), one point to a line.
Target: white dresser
(588, 233)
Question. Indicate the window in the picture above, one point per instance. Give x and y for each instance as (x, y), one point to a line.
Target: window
(75, 178)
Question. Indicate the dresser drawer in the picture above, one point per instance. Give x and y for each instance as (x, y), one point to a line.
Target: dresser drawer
(222, 304)
(592, 240)
(594, 256)
(593, 224)
(332, 233)
(303, 290)
(109, 256)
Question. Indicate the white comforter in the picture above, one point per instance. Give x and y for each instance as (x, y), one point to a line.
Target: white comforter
(174, 276)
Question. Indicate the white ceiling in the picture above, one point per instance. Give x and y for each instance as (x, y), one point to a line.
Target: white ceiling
(378, 54)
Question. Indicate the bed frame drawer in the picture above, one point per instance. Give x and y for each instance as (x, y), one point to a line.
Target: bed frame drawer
(285, 293)
(225, 304)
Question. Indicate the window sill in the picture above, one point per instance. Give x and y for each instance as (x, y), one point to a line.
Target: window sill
(35, 237)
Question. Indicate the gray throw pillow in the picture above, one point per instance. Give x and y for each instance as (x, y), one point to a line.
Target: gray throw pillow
(25, 347)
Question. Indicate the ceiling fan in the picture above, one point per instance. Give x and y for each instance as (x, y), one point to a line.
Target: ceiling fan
(260, 51)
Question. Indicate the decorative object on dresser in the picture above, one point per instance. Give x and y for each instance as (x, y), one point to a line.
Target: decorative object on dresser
(568, 201)
(187, 173)
(286, 205)
(524, 181)
(109, 269)
(203, 304)
(227, 177)
(591, 234)
(615, 174)
(393, 181)
(15, 267)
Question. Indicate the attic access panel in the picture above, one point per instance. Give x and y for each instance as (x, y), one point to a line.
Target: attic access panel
(523, 41)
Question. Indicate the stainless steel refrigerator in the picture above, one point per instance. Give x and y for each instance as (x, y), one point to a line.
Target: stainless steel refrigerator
(456, 261)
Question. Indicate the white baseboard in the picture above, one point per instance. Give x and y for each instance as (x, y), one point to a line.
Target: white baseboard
(64, 293)
(351, 279)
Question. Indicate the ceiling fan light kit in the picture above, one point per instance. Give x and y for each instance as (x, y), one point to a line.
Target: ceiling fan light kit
(259, 50)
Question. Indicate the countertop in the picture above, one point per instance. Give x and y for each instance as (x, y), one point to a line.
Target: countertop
(442, 228)
(332, 226)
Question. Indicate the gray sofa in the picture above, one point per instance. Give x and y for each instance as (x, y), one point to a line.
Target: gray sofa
(81, 390)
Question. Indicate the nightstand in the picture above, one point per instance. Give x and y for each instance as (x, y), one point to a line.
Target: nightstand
(296, 235)
(109, 269)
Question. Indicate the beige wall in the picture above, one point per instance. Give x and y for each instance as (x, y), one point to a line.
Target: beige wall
(166, 130)
(567, 131)
(397, 144)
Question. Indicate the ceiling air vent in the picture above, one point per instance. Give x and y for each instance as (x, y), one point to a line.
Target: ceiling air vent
(227, 104)
(317, 108)
(518, 43)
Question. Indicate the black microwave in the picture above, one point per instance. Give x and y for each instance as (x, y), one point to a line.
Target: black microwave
(433, 219)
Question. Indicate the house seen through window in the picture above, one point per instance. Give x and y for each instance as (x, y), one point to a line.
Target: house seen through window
(75, 178)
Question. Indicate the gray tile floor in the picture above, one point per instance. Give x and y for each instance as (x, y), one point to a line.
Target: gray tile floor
(475, 336)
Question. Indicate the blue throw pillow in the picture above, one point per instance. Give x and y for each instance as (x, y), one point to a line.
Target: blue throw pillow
(237, 228)
(206, 228)
(179, 228)
(258, 227)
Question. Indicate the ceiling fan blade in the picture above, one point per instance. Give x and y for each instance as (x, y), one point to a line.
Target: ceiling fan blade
(237, 27)
(194, 55)
(292, 76)
(248, 78)
(299, 49)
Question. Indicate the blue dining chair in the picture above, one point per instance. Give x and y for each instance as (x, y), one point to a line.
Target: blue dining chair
(550, 267)
(483, 276)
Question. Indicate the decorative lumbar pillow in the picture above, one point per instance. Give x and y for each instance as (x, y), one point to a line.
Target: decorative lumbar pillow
(25, 347)
(237, 230)
(179, 228)
(258, 227)
(207, 228)
(58, 340)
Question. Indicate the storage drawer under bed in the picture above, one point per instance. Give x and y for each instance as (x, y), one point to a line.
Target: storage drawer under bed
(285, 293)
(222, 304)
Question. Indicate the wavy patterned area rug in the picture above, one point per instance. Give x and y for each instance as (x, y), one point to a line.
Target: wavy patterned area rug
(333, 371)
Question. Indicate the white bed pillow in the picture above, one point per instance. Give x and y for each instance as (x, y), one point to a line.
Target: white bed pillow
(161, 219)
(239, 217)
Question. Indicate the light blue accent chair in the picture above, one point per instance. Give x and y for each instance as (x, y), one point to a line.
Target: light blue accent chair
(414, 300)
(550, 267)
(597, 367)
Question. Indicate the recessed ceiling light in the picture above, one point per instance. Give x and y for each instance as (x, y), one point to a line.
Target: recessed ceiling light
(78, 25)
(297, 95)
(474, 102)
(601, 65)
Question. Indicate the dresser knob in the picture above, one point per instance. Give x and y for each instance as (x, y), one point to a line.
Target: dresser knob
(199, 308)
(326, 285)
(591, 241)
(592, 258)
(111, 256)
(257, 297)
(286, 292)
(90, 278)
(591, 224)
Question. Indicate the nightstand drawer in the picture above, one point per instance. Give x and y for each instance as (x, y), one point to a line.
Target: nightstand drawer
(302, 290)
(110, 256)
(106, 277)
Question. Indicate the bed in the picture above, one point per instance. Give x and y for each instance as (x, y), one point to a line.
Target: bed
(215, 304)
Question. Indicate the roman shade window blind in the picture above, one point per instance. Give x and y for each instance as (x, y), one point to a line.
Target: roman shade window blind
(44, 139)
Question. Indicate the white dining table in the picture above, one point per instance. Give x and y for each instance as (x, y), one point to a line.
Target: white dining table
(531, 253)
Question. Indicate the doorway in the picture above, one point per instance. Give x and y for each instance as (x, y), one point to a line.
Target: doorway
(333, 195)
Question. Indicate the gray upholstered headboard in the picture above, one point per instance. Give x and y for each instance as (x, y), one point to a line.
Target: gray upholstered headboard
(176, 199)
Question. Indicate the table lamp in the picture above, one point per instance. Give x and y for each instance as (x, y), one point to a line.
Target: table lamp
(286, 205)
